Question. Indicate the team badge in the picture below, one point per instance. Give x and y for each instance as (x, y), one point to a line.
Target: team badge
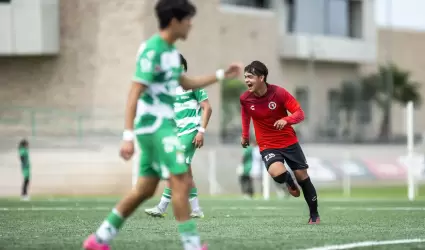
(272, 105)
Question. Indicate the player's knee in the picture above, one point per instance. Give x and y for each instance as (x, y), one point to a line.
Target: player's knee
(144, 194)
(301, 174)
(276, 168)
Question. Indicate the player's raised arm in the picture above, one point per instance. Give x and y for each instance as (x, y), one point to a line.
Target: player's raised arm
(292, 105)
(246, 120)
(195, 82)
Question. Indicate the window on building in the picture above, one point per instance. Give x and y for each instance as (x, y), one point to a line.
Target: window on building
(333, 106)
(355, 18)
(301, 94)
(326, 17)
(290, 15)
(264, 4)
(337, 17)
(309, 16)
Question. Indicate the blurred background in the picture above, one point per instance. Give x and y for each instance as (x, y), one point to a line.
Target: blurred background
(65, 69)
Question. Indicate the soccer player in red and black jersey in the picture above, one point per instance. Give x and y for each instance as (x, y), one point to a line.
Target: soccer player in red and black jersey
(268, 106)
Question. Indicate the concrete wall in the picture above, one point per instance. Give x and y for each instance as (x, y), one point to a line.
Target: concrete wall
(93, 70)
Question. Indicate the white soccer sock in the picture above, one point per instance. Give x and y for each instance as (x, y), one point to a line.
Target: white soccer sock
(194, 203)
(191, 242)
(163, 204)
(106, 232)
(109, 228)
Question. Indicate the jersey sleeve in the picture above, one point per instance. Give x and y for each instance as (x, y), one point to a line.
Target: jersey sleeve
(292, 105)
(200, 95)
(148, 66)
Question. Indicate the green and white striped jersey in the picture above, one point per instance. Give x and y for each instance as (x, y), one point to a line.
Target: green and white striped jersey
(188, 110)
(158, 67)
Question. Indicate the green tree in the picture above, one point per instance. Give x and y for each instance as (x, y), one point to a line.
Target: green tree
(390, 84)
(230, 106)
(348, 97)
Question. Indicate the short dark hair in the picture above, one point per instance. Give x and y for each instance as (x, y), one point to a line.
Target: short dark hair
(257, 68)
(23, 143)
(183, 62)
(166, 10)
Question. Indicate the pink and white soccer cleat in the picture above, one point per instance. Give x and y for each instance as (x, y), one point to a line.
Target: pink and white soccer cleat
(91, 244)
(204, 247)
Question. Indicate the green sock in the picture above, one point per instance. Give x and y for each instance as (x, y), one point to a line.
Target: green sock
(193, 193)
(110, 226)
(187, 227)
(189, 235)
(167, 193)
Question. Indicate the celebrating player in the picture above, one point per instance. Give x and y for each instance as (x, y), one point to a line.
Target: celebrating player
(149, 118)
(268, 105)
(191, 128)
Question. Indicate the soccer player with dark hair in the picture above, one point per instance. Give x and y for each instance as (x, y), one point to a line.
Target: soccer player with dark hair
(193, 112)
(268, 106)
(25, 166)
(149, 119)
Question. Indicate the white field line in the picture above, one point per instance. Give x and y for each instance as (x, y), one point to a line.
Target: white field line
(380, 208)
(103, 208)
(291, 200)
(367, 244)
(55, 208)
(36, 208)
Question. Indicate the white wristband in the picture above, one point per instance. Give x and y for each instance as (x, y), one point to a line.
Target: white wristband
(127, 135)
(201, 130)
(219, 74)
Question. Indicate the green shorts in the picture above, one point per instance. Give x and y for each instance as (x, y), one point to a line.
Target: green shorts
(188, 145)
(26, 173)
(161, 152)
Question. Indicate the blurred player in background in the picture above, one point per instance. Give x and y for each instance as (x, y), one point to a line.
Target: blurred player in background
(23, 150)
(149, 118)
(193, 112)
(268, 105)
(251, 168)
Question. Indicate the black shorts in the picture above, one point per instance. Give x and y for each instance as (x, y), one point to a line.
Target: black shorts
(293, 156)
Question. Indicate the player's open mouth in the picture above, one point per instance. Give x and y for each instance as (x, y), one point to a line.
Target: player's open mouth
(249, 85)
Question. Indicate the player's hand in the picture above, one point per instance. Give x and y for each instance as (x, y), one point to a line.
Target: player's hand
(233, 71)
(199, 140)
(244, 142)
(127, 150)
(279, 124)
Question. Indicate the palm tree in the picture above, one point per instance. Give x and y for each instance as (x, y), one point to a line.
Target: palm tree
(390, 84)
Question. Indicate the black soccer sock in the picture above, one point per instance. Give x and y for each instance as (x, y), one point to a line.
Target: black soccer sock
(25, 187)
(250, 186)
(310, 195)
(285, 177)
(246, 185)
